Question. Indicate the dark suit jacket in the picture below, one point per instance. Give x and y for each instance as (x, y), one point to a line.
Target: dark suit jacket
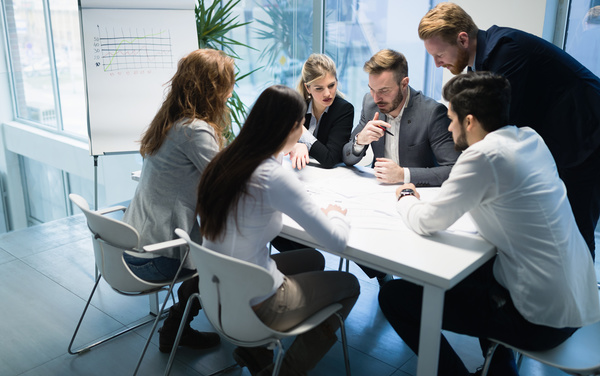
(334, 130)
(551, 91)
(425, 144)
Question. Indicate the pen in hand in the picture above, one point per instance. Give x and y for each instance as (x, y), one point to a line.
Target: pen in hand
(376, 117)
(385, 130)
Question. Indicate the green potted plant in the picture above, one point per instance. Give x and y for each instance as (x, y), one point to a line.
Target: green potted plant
(214, 23)
(289, 35)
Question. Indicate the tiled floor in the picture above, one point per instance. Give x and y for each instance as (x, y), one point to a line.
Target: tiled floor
(47, 272)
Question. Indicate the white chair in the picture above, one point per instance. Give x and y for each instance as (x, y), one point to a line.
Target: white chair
(226, 286)
(111, 238)
(578, 355)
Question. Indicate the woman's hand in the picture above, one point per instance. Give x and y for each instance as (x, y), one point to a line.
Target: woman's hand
(299, 156)
(336, 208)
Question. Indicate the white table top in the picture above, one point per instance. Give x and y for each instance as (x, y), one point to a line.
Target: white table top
(380, 239)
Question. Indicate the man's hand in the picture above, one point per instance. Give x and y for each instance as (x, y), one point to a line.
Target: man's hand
(386, 171)
(373, 131)
(407, 186)
(299, 156)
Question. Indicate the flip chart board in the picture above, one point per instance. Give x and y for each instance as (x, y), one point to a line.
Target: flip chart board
(130, 51)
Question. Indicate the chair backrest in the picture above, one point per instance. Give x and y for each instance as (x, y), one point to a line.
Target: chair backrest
(226, 286)
(110, 238)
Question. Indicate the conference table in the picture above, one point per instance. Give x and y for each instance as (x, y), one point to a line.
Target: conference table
(379, 239)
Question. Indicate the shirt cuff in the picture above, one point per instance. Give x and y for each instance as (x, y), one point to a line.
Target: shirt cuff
(405, 203)
(337, 216)
(307, 139)
(356, 148)
(406, 175)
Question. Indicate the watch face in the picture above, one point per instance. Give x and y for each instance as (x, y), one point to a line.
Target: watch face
(406, 192)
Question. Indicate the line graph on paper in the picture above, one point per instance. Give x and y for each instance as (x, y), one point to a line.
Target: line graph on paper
(132, 49)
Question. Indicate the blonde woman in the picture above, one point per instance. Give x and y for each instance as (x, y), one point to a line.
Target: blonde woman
(185, 134)
(329, 117)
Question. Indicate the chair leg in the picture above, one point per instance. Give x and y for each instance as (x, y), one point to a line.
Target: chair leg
(188, 307)
(344, 343)
(87, 304)
(158, 317)
(341, 265)
(488, 358)
(89, 347)
(279, 358)
(519, 357)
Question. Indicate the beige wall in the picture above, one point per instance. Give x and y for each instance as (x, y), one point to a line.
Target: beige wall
(524, 15)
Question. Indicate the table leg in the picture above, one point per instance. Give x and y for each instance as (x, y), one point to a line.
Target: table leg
(431, 330)
(154, 307)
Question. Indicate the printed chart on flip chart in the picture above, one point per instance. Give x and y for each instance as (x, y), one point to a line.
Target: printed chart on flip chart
(133, 51)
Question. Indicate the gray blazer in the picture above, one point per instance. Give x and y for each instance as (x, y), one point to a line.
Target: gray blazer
(166, 195)
(425, 144)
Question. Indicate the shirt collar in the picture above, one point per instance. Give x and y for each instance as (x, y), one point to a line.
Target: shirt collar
(310, 106)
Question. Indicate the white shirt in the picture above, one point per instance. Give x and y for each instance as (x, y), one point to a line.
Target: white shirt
(309, 137)
(391, 142)
(509, 184)
(273, 190)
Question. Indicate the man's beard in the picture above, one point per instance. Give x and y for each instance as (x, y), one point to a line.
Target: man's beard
(395, 103)
(462, 60)
(461, 142)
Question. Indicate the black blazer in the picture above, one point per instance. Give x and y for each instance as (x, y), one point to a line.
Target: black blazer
(334, 131)
(551, 91)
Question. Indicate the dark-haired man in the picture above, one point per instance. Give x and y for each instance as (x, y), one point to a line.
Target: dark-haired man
(541, 286)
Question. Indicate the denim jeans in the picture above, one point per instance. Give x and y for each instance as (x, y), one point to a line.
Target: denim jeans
(159, 269)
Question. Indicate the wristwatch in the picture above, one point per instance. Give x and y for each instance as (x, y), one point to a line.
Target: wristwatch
(406, 192)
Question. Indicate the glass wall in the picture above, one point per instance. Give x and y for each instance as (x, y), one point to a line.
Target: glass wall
(357, 29)
(583, 33)
(44, 56)
(45, 53)
(281, 35)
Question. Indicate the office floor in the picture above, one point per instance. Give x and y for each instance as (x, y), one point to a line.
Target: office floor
(47, 272)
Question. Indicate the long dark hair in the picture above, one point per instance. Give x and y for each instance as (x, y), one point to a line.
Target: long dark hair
(198, 90)
(274, 115)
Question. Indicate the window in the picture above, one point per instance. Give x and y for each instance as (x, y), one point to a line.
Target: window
(281, 32)
(356, 29)
(583, 33)
(45, 56)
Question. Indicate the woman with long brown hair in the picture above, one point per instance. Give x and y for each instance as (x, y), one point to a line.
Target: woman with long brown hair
(186, 133)
(242, 194)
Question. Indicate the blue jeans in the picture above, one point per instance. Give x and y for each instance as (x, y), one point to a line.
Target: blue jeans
(159, 269)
